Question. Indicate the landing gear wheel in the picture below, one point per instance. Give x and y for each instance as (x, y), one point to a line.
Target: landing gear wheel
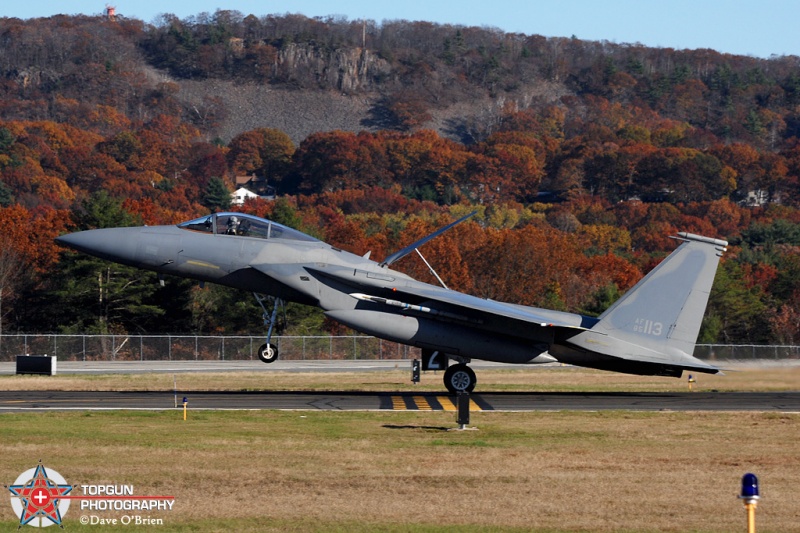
(459, 378)
(268, 353)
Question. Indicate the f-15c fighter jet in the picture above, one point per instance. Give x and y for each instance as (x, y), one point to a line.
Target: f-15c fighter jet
(651, 330)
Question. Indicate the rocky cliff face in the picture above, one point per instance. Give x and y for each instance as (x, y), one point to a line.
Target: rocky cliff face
(349, 70)
(315, 88)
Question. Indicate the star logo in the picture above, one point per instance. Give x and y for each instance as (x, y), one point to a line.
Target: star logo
(37, 497)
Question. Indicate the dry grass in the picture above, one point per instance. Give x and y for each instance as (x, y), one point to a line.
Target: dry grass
(400, 471)
(534, 379)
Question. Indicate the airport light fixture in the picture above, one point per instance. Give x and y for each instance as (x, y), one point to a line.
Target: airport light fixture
(750, 496)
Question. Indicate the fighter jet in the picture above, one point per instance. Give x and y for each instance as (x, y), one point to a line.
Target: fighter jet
(650, 330)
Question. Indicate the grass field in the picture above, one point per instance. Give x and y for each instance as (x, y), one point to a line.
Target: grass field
(533, 379)
(403, 471)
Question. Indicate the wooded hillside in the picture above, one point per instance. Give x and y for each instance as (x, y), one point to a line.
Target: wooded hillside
(581, 157)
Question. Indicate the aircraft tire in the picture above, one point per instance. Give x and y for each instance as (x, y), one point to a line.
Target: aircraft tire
(268, 353)
(460, 378)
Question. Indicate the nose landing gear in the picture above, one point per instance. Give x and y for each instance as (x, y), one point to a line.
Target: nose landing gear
(268, 352)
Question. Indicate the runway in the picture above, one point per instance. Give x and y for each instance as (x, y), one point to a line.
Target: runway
(30, 401)
(33, 401)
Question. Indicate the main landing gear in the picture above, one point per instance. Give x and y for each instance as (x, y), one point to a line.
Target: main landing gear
(459, 378)
(268, 352)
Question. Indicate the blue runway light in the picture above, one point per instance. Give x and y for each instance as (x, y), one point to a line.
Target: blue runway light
(749, 487)
(750, 497)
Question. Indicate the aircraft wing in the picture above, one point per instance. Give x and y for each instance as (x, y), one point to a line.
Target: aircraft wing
(450, 304)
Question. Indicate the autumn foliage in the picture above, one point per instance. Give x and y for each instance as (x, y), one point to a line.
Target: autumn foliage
(591, 158)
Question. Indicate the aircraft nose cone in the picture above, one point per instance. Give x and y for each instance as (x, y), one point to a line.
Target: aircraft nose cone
(76, 241)
(115, 244)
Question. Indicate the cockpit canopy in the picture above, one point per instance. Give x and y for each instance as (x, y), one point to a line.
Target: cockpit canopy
(245, 226)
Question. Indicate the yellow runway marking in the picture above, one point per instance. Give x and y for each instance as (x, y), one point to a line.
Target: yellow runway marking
(401, 403)
(422, 403)
(447, 403)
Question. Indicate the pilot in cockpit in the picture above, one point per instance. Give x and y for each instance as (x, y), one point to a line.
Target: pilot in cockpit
(233, 226)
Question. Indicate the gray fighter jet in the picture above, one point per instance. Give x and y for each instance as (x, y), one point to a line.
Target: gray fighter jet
(651, 330)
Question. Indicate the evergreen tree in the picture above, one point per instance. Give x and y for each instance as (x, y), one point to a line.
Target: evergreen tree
(6, 139)
(87, 294)
(217, 196)
(285, 214)
(90, 295)
(6, 196)
(736, 314)
(100, 210)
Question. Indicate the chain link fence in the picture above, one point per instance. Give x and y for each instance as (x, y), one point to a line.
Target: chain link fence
(198, 348)
(744, 352)
(236, 348)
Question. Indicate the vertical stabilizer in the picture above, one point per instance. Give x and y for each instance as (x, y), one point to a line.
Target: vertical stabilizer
(664, 310)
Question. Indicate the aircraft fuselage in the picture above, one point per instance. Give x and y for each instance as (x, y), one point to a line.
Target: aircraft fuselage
(650, 330)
